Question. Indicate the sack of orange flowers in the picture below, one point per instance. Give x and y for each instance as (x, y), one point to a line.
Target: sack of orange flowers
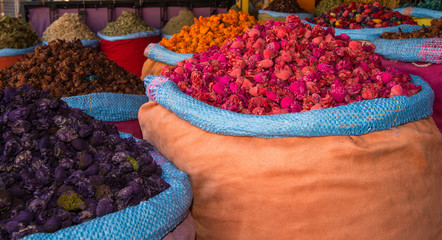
(206, 32)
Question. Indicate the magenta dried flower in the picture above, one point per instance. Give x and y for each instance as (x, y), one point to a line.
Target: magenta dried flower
(281, 67)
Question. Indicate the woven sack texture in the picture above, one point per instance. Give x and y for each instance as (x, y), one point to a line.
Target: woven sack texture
(108, 107)
(410, 50)
(419, 12)
(167, 36)
(86, 43)
(4, 52)
(369, 34)
(384, 185)
(431, 73)
(127, 50)
(151, 219)
(353, 119)
(159, 53)
(282, 14)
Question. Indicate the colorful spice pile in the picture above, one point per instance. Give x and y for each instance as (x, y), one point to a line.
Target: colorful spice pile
(286, 6)
(68, 27)
(428, 4)
(175, 24)
(285, 67)
(60, 167)
(361, 15)
(16, 33)
(69, 69)
(432, 31)
(326, 6)
(209, 31)
(127, 23)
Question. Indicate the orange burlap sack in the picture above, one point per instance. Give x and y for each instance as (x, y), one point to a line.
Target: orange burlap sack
(381, 185)
(7, 61)
(151, 67)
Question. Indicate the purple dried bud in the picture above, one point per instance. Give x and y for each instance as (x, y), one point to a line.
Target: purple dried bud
(104, 207)
(52, 225)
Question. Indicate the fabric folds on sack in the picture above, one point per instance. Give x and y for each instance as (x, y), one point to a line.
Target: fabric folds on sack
(384, 185)
(10, 56)
(127, 50)
(419, 12)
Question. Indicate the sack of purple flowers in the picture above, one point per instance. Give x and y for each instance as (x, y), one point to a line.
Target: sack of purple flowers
(65, 174)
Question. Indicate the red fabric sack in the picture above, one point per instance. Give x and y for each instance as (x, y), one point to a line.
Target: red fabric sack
(128, 53)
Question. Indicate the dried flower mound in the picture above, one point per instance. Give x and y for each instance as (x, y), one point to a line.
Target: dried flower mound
(287, 67)
(68, 27)
(361, 15)
(432, 31)
(209, 31)
(175, 24)
(66, 167)
(16, 33)
(127, 23)
(286, 6)
(69, 69)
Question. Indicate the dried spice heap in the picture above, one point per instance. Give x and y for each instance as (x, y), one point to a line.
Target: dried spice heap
(127, 23)
(16, 33)
(60, 167)
(209, 31)
(69, 69)
(432, 31)
(175, 24)
(286, 6)
(68, 27)
(361, 15)
(286, 67)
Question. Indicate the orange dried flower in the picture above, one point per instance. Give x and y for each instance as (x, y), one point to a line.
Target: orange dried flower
(208, 31)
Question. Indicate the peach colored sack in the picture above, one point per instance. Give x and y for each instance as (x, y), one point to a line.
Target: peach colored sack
(382, 185)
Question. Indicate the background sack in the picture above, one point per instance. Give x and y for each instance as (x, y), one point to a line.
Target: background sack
(127, 50)
(9, 56)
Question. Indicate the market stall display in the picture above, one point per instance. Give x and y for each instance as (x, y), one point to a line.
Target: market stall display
(70, 27)
(278, 10)
(327, 5)
(175, 24)
(124, 40)
(17, 38)
(339, 166)
(62, 168)
(84, 78)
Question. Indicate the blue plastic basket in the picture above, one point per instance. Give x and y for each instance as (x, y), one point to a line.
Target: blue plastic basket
(353, 119)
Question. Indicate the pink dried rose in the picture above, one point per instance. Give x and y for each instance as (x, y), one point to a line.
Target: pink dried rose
(287, 67)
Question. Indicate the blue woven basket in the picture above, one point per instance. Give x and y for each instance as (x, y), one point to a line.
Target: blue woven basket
(282, 14)
(144, 34)
(108, 107)
(369, 34)
(419, 12)
(9, 52)
(410, 50)
(159, 53)
(86, 43)
(151, 219)
(353, 119)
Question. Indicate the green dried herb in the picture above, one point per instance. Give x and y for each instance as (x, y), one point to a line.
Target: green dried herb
(175, 24)
(326, 6)
(68, 27)
(127, 23)
(265, 17)
(16, 33)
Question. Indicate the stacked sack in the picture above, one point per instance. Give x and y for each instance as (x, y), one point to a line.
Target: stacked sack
(293, 132)
(206, 32)
(70, 27)
(124, 40)
(85, 79)
(17, 38)
(418, 52)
